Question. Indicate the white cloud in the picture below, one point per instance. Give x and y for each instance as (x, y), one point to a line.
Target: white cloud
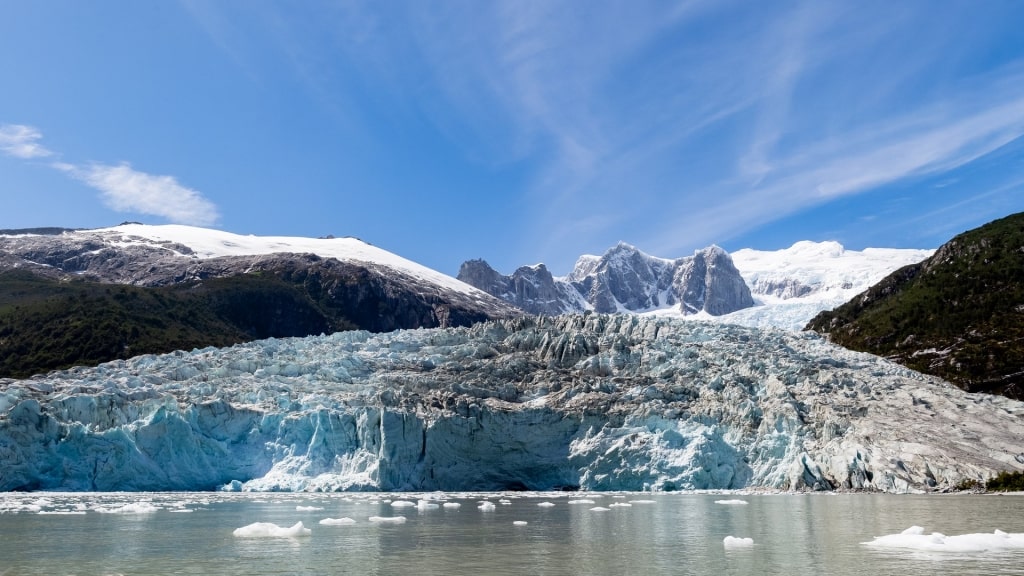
(127, 190)
(22, 141)
(121, 188)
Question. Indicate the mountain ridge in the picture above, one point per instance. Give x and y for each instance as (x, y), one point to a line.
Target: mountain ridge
(623, 279)
(788, 287)
(185, 272)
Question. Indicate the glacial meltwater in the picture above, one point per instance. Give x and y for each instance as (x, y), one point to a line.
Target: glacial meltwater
(509, 533)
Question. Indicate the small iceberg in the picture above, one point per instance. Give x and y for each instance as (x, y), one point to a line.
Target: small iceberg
(134, 508)
(387, 519)
(914, 538)
(734, 542)
(734, 502)
(270, 530)
(337, 521)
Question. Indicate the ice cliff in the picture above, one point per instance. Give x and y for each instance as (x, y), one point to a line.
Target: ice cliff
(590, 401)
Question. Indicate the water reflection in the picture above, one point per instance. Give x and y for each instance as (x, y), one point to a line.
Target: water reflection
(674, 534)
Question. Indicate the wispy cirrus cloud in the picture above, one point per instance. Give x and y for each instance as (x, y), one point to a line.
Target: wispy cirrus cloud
(121, 187)
(22, 141)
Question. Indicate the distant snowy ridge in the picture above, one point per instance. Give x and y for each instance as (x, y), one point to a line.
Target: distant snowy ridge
(591, 401)
(786, 288)
(204, 243)
(348, 275)
(792, 285)
(624, 279)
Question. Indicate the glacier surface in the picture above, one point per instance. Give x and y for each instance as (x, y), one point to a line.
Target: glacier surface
(597, 402)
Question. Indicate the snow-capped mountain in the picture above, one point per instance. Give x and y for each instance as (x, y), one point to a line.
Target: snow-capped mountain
(623, 279)
(193, 287)
(781, 288)
(792, 285)
(148, 255)
(595, 402)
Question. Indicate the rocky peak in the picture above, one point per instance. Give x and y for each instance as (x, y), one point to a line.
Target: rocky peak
(710, 282)
(623, 279)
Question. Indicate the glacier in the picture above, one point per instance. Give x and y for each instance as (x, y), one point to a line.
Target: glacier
(590, 401)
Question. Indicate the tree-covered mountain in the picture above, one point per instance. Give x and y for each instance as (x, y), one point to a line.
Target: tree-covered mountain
(958, 315)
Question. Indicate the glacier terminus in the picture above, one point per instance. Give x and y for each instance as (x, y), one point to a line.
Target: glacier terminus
(587, 401)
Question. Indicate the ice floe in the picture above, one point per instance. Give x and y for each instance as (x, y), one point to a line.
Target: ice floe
(387, 519)
(914, 538)
(133, 508)
(270, 530)
(337, 521)
(734, 502)
(735, 542)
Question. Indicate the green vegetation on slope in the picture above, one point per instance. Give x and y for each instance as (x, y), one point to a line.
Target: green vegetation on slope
(48, 324)
(959, 315)
(1006, 482)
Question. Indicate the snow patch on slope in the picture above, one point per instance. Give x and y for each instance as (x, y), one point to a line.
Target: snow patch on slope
(208, 243)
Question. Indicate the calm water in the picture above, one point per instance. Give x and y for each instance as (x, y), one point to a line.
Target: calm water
(669, 534)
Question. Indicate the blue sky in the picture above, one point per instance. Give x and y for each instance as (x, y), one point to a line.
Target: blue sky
(518, 131)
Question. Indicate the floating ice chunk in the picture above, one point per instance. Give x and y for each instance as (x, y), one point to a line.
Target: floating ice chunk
(505, 502)
(599, 509)
(133, 508)
(735, 502)
(642, 501)
(337, 521)
(581, 501)
(387, 519)
(426, 505)
(63, 512)
(403, 504)
(486, 506)
(269, 530)
(734, 542)
(546, 504)
(451, 505)
(914, 538)
(519, 523)
(308, 508)
(620, 505)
